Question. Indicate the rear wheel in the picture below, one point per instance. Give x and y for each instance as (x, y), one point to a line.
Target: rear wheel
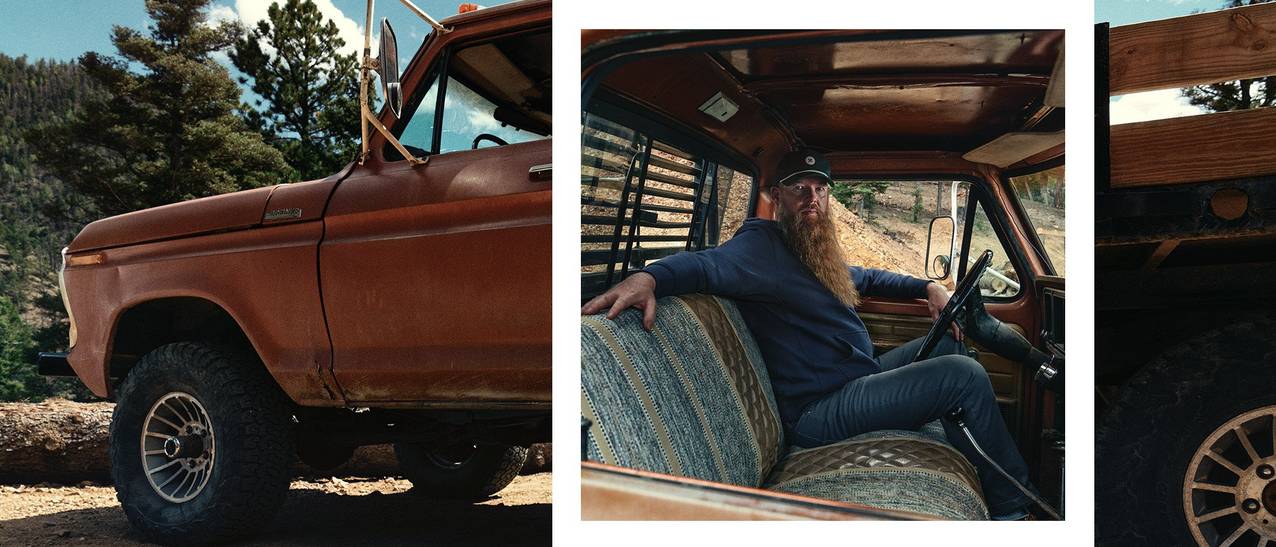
(200, 445)
(1229, 488)
(1188, 452)
(462, 471)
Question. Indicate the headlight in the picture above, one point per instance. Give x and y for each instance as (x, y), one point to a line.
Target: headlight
(66, 302)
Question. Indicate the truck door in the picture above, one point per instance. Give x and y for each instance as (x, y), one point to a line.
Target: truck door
(436, 277)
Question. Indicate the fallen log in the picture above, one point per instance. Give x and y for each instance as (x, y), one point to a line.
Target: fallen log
(54, 441)
(60, 441)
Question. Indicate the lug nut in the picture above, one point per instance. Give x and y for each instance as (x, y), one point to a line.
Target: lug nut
(1266, 472)
(1250, 506)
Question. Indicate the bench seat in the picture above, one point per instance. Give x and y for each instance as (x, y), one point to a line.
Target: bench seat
(692, 398)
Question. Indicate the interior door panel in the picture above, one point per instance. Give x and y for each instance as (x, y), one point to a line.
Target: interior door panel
(891, 331)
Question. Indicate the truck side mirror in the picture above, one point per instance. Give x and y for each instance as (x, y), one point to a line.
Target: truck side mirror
(939, 248)
(388, 69)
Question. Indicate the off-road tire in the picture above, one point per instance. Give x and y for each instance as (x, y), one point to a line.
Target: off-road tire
(250, 420)
(1163, 415)
(489, 469)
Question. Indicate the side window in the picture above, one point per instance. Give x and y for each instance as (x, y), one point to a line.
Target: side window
(1041, 196)
(494, 93)
(886, 224)
(631, 217)
(418, 134)
(469, 121)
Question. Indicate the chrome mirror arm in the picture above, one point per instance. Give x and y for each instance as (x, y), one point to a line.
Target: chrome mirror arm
(369, 64)
(419, 13)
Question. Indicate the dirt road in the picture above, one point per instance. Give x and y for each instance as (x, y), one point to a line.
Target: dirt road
(352, 511)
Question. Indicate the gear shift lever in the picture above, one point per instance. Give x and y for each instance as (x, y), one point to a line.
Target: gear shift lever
(958, 418)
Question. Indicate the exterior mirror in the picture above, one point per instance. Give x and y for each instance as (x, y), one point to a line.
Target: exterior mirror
(939, 248)
(388, 69)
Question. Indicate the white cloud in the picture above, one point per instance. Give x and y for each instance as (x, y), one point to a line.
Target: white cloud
(250, 11)
(220, 14)
(1150, 105)
(480, 121)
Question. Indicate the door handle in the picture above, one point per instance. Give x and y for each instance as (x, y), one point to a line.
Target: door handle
(540, 172)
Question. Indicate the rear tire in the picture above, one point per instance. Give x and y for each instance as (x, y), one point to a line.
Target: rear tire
(232, 413)
(1168, 416)
(469, 473)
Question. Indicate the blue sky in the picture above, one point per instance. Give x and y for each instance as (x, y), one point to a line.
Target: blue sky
(1125, 12)
(82, 25)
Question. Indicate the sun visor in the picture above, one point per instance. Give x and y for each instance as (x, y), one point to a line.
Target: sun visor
(1012, 148)
(1054, 92)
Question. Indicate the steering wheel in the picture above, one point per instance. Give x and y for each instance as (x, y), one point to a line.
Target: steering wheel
(487, 137)
(961, 294)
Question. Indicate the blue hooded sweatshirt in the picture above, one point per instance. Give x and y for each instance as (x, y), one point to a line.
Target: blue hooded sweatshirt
(812, 343)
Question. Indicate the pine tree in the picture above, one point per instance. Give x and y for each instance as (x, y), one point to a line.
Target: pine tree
(163, 134)
(309, 92)
(1237, 94)
(17, 374)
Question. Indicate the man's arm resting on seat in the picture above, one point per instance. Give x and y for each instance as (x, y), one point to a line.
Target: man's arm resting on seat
(637, 290)
(734, 269)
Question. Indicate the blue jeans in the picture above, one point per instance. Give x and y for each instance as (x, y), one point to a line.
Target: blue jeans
(907, 397)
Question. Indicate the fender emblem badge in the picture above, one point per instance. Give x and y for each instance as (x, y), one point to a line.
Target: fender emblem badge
(282, 214)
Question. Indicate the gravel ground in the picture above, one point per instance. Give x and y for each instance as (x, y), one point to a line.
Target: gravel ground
(350, 511)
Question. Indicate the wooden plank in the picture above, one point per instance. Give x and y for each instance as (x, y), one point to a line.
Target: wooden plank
(1194, 49)
(1223, 145)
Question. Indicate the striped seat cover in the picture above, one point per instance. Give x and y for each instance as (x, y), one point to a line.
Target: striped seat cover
(692, 398)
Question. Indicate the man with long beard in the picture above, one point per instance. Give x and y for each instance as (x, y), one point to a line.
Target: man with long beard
(795, 291)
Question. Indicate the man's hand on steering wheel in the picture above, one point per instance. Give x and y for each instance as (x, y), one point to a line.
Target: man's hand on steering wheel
(953, 304)
(936, 298)
(636, 291)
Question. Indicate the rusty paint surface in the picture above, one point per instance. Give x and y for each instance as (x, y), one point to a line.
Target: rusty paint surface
(436, 279)
(1229, 203)
(265, 279)
(198, 216)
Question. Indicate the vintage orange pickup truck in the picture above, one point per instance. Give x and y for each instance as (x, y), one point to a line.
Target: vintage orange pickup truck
(404, 299)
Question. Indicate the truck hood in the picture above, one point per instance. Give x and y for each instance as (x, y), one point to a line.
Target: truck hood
(226, 212)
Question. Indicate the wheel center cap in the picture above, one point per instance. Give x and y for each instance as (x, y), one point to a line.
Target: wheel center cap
(172, 447)
(183, 446)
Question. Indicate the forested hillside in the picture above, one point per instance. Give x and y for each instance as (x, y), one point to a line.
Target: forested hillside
(38, 216)
(159, 121)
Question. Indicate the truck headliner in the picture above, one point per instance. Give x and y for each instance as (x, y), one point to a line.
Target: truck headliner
(939, 92)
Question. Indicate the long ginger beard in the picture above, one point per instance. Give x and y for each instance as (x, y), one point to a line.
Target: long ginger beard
(814, 242)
